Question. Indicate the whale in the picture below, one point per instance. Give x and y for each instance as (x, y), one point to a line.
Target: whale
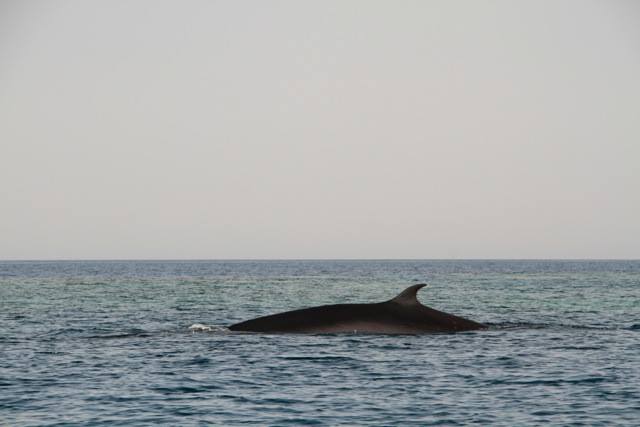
(403, 314)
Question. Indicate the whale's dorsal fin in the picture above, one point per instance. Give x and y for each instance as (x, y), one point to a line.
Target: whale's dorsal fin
(409, 295)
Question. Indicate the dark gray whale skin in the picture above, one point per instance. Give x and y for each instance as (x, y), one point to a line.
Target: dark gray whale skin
(403, 314)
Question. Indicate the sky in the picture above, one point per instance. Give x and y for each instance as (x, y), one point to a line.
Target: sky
(319, 129)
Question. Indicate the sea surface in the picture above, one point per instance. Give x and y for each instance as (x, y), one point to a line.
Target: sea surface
(145, 343)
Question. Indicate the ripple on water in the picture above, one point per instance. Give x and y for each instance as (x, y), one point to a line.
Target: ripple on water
(146, 344)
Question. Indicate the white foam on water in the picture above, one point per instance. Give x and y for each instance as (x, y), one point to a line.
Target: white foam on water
(199, 327)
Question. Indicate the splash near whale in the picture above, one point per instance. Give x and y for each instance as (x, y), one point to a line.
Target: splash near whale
(403, 314)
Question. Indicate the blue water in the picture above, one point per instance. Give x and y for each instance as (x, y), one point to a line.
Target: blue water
(144, 343)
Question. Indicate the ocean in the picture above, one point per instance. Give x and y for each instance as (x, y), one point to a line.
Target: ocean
(142, 343)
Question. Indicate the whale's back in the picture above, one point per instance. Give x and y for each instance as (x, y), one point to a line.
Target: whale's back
(401, 315)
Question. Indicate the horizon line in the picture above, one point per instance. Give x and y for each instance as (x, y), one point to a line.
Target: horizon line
(299, 259)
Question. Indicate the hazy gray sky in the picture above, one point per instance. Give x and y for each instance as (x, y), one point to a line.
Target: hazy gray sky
(325, 129)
